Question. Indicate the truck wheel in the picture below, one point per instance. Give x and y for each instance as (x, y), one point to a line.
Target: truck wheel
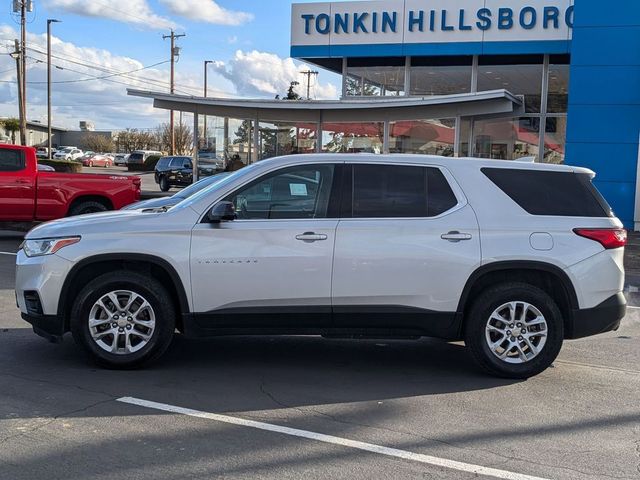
(123, 319)
(87, 206)
(164, 184)
(514, 330)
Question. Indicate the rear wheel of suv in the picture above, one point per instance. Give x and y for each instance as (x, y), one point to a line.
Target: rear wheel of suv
(164, 184)
(123, 319)
(514, 330)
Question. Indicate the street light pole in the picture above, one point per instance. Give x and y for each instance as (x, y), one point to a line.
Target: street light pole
(49, 22)
(206, 140)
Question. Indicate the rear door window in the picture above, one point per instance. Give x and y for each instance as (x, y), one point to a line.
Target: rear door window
(541, 192)
(11, 160)
(397, 191)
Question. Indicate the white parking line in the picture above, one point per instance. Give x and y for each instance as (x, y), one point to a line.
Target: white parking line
(8, 253)
(368, 447)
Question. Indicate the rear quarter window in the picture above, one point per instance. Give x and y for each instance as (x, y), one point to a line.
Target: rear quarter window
(163, 162)
(11, 160)
(551, 193)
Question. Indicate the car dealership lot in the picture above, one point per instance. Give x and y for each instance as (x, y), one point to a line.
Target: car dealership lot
(60, 416)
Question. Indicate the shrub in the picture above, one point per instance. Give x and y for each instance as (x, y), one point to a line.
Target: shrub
(62, 166)
(151, 162)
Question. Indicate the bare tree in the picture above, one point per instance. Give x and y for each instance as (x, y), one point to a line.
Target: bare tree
(133, 139)
(183, 136)
(97, 143)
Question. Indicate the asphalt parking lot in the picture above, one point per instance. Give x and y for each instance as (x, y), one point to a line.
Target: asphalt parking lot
(306, 407)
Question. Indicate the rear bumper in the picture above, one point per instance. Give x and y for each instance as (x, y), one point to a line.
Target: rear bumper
(50, 327)
(602, 318)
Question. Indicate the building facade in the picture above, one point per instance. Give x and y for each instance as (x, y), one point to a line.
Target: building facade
(556, 80)
(576, 65)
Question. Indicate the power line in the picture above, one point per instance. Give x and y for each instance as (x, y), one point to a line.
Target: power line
(102, 77)
(159, 83)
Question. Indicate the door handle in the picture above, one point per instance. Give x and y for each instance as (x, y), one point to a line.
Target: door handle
(455, 236)
(311, 237)
(22, 180)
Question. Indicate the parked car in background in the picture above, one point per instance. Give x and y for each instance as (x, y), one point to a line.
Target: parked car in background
(139, 156)
(512, 258)
(85, 155)
(31, 192)
(121, 159)
(211, 158)
(68, 153)
(177, 171)
(45, 168)
(43, 152)
(97, 160)
(167, 202)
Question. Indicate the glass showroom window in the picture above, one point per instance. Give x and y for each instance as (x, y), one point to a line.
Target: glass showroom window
(440, 76)
(555, 137)
(352, 137)
(240, 139)
(506, 139)
(431, 137)
(286, 138)
(364, 78)
(558, 87)
(524, 78)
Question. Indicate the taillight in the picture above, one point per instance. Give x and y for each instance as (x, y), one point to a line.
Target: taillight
(607, 237)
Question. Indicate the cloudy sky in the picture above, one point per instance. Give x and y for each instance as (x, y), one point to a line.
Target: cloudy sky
(104, 46)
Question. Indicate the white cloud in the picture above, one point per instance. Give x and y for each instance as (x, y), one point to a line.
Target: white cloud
(137, 12)
(105, 102)
(266, 74)
(232, 40)
(206, 11)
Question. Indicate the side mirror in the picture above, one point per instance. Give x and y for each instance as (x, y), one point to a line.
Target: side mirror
(222, 212)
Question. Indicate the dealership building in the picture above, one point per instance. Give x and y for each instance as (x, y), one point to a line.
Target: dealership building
(556, 80)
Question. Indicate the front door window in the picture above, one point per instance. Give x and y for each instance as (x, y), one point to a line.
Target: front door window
(292, 193)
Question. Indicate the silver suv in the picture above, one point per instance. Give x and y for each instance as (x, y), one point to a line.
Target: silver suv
(510, 257)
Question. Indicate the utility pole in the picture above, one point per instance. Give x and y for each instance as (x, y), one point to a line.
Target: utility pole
(49, 22)
(206, 140)
(308, 74)
(23, 124)
(175, 52)
(23, 60)
(22, 7)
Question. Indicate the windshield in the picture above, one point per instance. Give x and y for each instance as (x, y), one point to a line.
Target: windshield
(205, 192)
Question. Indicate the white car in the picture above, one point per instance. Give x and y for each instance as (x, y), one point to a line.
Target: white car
(68, 153)
(121, 159)
(511, 257)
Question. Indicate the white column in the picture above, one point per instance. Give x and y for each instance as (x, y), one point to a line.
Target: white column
(196, 139)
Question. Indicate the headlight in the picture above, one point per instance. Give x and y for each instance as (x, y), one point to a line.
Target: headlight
(47, 246)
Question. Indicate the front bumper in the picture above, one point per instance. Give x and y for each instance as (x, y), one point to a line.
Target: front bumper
(51, 327)
(602, 318)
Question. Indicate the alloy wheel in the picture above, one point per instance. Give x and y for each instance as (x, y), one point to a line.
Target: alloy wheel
(121, 322)
(516, 332)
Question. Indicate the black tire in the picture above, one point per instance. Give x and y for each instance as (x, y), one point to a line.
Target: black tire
(87, 206)
(152, 291)
(478, 318)
(164, 184)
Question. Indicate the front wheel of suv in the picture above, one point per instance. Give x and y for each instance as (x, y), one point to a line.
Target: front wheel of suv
(123, 319)
(514, 330)
(164, 184)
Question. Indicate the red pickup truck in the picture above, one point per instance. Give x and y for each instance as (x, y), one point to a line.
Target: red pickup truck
(28, 195)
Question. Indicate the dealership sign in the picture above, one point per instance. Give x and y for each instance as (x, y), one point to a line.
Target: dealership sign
(431, 21)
